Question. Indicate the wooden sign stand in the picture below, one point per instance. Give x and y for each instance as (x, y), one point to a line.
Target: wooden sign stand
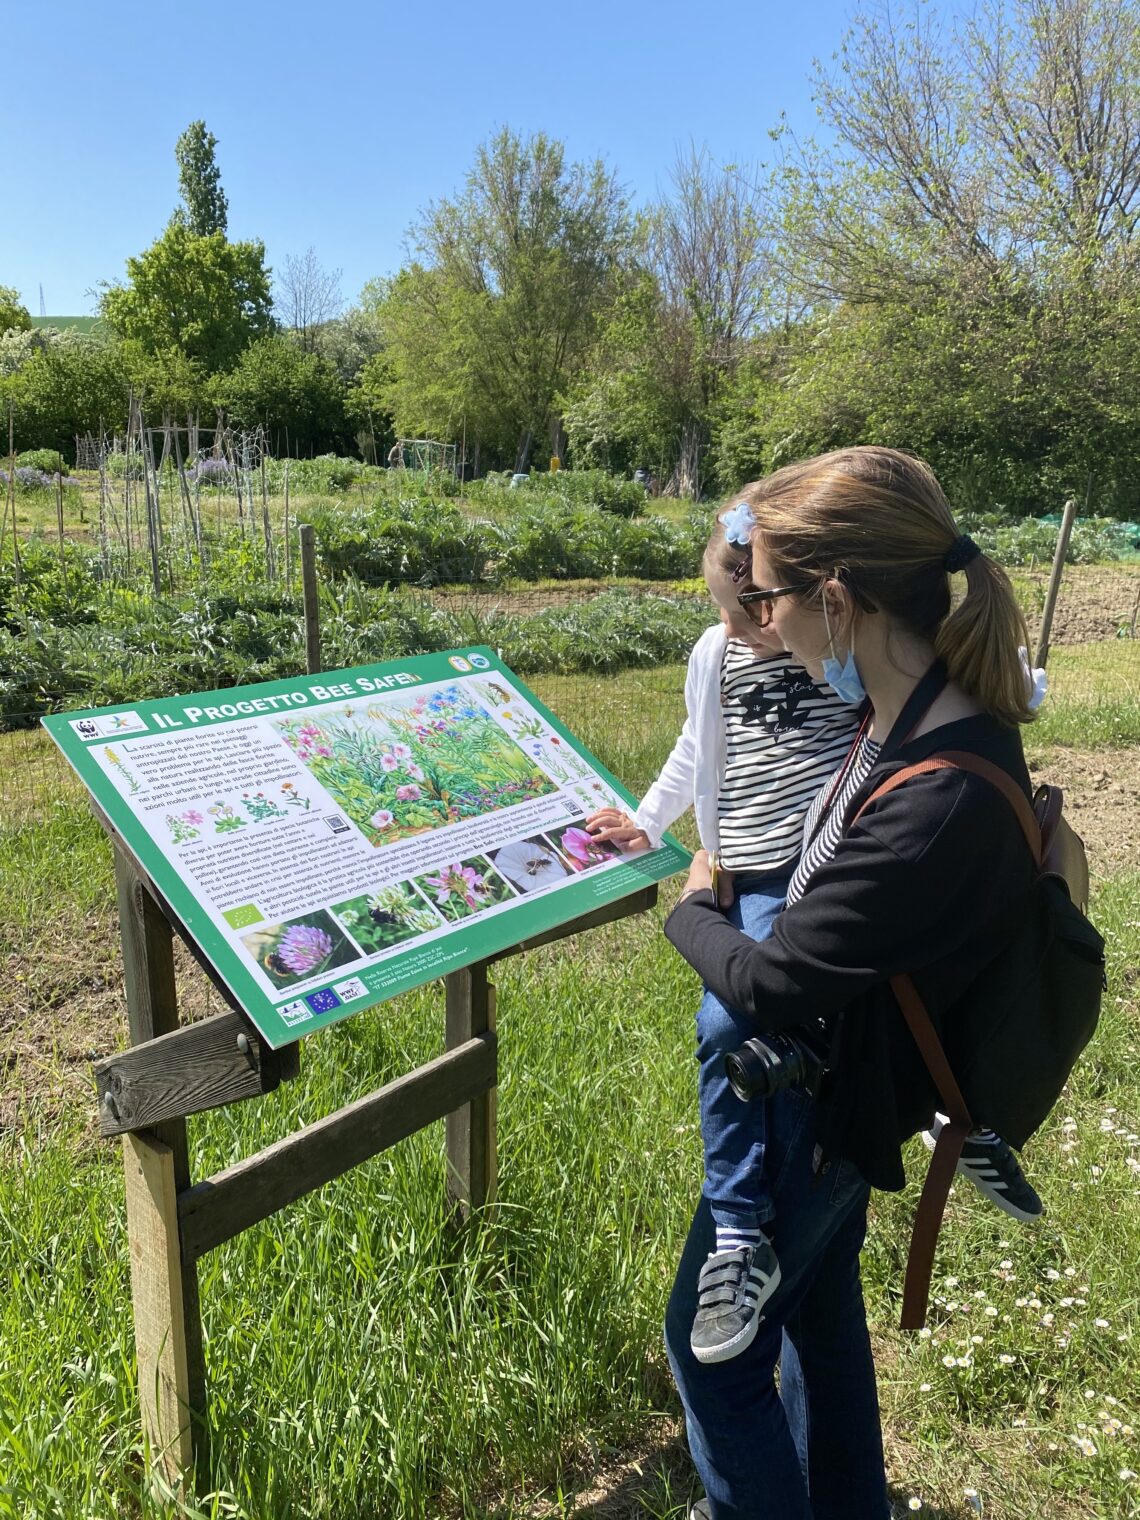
(173, 1070)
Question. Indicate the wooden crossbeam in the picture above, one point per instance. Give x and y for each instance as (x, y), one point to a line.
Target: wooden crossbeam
(222, 1206)
(193, 1068)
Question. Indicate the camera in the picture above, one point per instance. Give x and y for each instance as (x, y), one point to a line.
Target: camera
(768, 1063)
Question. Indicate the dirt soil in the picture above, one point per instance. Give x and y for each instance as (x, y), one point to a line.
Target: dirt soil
(1094, 602)
(1102, 802)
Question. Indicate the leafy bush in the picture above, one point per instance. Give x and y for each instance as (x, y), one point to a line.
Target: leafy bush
(581, 543)
(412, 542)
(47, 461)
(581, 488)
(1031, 540)
(320, 476)
(30, 479)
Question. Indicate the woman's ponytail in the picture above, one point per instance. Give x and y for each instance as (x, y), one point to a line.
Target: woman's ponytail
(981, 641)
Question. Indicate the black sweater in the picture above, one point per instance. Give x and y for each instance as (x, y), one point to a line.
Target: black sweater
(931, 880)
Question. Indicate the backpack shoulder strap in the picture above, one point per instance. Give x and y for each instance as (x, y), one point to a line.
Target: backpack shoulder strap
(962, 760)
(951, 1138)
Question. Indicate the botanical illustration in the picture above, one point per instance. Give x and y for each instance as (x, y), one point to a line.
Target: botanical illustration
(405, 767)
(386, 917)
(582, 850)
(464, 887)
(533, 732)
(129, 779)
(185, 826)
(299, 948)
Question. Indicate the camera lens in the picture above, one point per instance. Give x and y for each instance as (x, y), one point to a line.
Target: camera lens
(764, 1065)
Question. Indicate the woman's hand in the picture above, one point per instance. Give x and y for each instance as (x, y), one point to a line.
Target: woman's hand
(609, 824)
(700, 875)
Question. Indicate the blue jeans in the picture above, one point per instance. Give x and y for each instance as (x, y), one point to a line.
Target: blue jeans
(813, 1450)
(732, 1132)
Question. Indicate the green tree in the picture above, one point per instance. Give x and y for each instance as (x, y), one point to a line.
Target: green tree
(204, 209)
(203, 296)
(66, 388)
(13, 312)
(963, 255)
(501, 308)
(678, 332)
(295, 396)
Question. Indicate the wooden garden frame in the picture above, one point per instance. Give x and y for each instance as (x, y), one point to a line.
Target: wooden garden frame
(171, 1071)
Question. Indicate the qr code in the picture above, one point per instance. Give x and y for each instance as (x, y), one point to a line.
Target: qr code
(575, 809)
(337, 824)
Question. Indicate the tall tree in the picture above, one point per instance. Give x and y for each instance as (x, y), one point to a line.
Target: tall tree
(203, 296)
(204, 208)
(308, 296)
(506, 293)
(679, 331)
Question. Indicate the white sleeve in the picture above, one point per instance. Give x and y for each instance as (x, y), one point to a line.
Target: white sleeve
(672, 792)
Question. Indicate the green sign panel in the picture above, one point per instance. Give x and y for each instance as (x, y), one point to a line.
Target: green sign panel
(333, 840)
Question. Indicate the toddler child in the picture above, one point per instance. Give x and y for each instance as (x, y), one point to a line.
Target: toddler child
(760, 739)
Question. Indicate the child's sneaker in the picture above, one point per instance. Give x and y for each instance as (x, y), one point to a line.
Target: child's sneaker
(994, 1170)
(731, 1290)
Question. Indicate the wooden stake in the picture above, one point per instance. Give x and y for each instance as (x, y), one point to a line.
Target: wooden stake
(168, 1324)
(471, 1149)
(309, 597)
(12, 495)
(1055, 574)
(288, 556)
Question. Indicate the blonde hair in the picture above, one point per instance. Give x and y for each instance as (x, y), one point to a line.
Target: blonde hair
(719, 553)
(877, 520)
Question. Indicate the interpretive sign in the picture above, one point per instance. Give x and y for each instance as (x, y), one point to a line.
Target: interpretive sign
(330, 841)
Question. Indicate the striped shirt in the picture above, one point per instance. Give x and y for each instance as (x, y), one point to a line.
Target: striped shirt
(784, 736)
(821, 846)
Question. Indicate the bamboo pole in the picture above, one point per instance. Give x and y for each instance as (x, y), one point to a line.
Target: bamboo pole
(1055, 574)
(288, 556)
(12, 495)
(309, 598)
(59, 523)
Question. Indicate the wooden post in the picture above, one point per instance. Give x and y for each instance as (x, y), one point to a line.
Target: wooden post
(1059, 553)
(471, 1149)
(309, 598)
(164, 1291)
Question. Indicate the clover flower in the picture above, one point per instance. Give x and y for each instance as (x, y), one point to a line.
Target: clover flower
(303, 947)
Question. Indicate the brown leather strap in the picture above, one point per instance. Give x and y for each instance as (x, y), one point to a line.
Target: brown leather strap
(936, 1189)
(948, 1147)
(961, 760)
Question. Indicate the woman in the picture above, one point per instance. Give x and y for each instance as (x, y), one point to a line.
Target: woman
(852, 563)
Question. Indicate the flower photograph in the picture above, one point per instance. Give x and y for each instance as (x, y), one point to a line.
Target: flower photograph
(404, 767)
(387, 917)
(299, 948)
(582, 850)
(529, 864)
(462, 888)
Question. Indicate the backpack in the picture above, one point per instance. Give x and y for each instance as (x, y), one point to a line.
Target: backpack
(1017, 1032)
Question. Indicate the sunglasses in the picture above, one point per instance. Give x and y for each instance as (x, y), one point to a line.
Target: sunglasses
(758, 604)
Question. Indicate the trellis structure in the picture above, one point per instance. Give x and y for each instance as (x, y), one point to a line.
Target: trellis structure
(427, 454)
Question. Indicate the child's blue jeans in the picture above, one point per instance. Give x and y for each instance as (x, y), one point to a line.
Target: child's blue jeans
(733, 1133)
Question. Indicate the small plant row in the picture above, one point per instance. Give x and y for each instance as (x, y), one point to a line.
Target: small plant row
(431, 543)
(70, 640)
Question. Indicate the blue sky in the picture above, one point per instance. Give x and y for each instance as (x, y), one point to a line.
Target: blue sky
(337, 123)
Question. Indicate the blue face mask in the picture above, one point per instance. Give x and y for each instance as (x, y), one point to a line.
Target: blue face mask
(844, 680)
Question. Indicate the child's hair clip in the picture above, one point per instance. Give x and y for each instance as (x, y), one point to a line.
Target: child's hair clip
(738, 523)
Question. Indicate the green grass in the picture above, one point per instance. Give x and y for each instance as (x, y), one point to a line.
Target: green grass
(366, 1361)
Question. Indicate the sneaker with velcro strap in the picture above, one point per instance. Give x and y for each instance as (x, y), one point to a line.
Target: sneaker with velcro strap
(994, 1170)
(732, 1288)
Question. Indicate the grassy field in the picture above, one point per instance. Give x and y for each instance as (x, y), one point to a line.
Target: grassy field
(366, 1361)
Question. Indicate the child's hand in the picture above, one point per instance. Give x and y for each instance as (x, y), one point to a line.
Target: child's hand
(617, 827)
